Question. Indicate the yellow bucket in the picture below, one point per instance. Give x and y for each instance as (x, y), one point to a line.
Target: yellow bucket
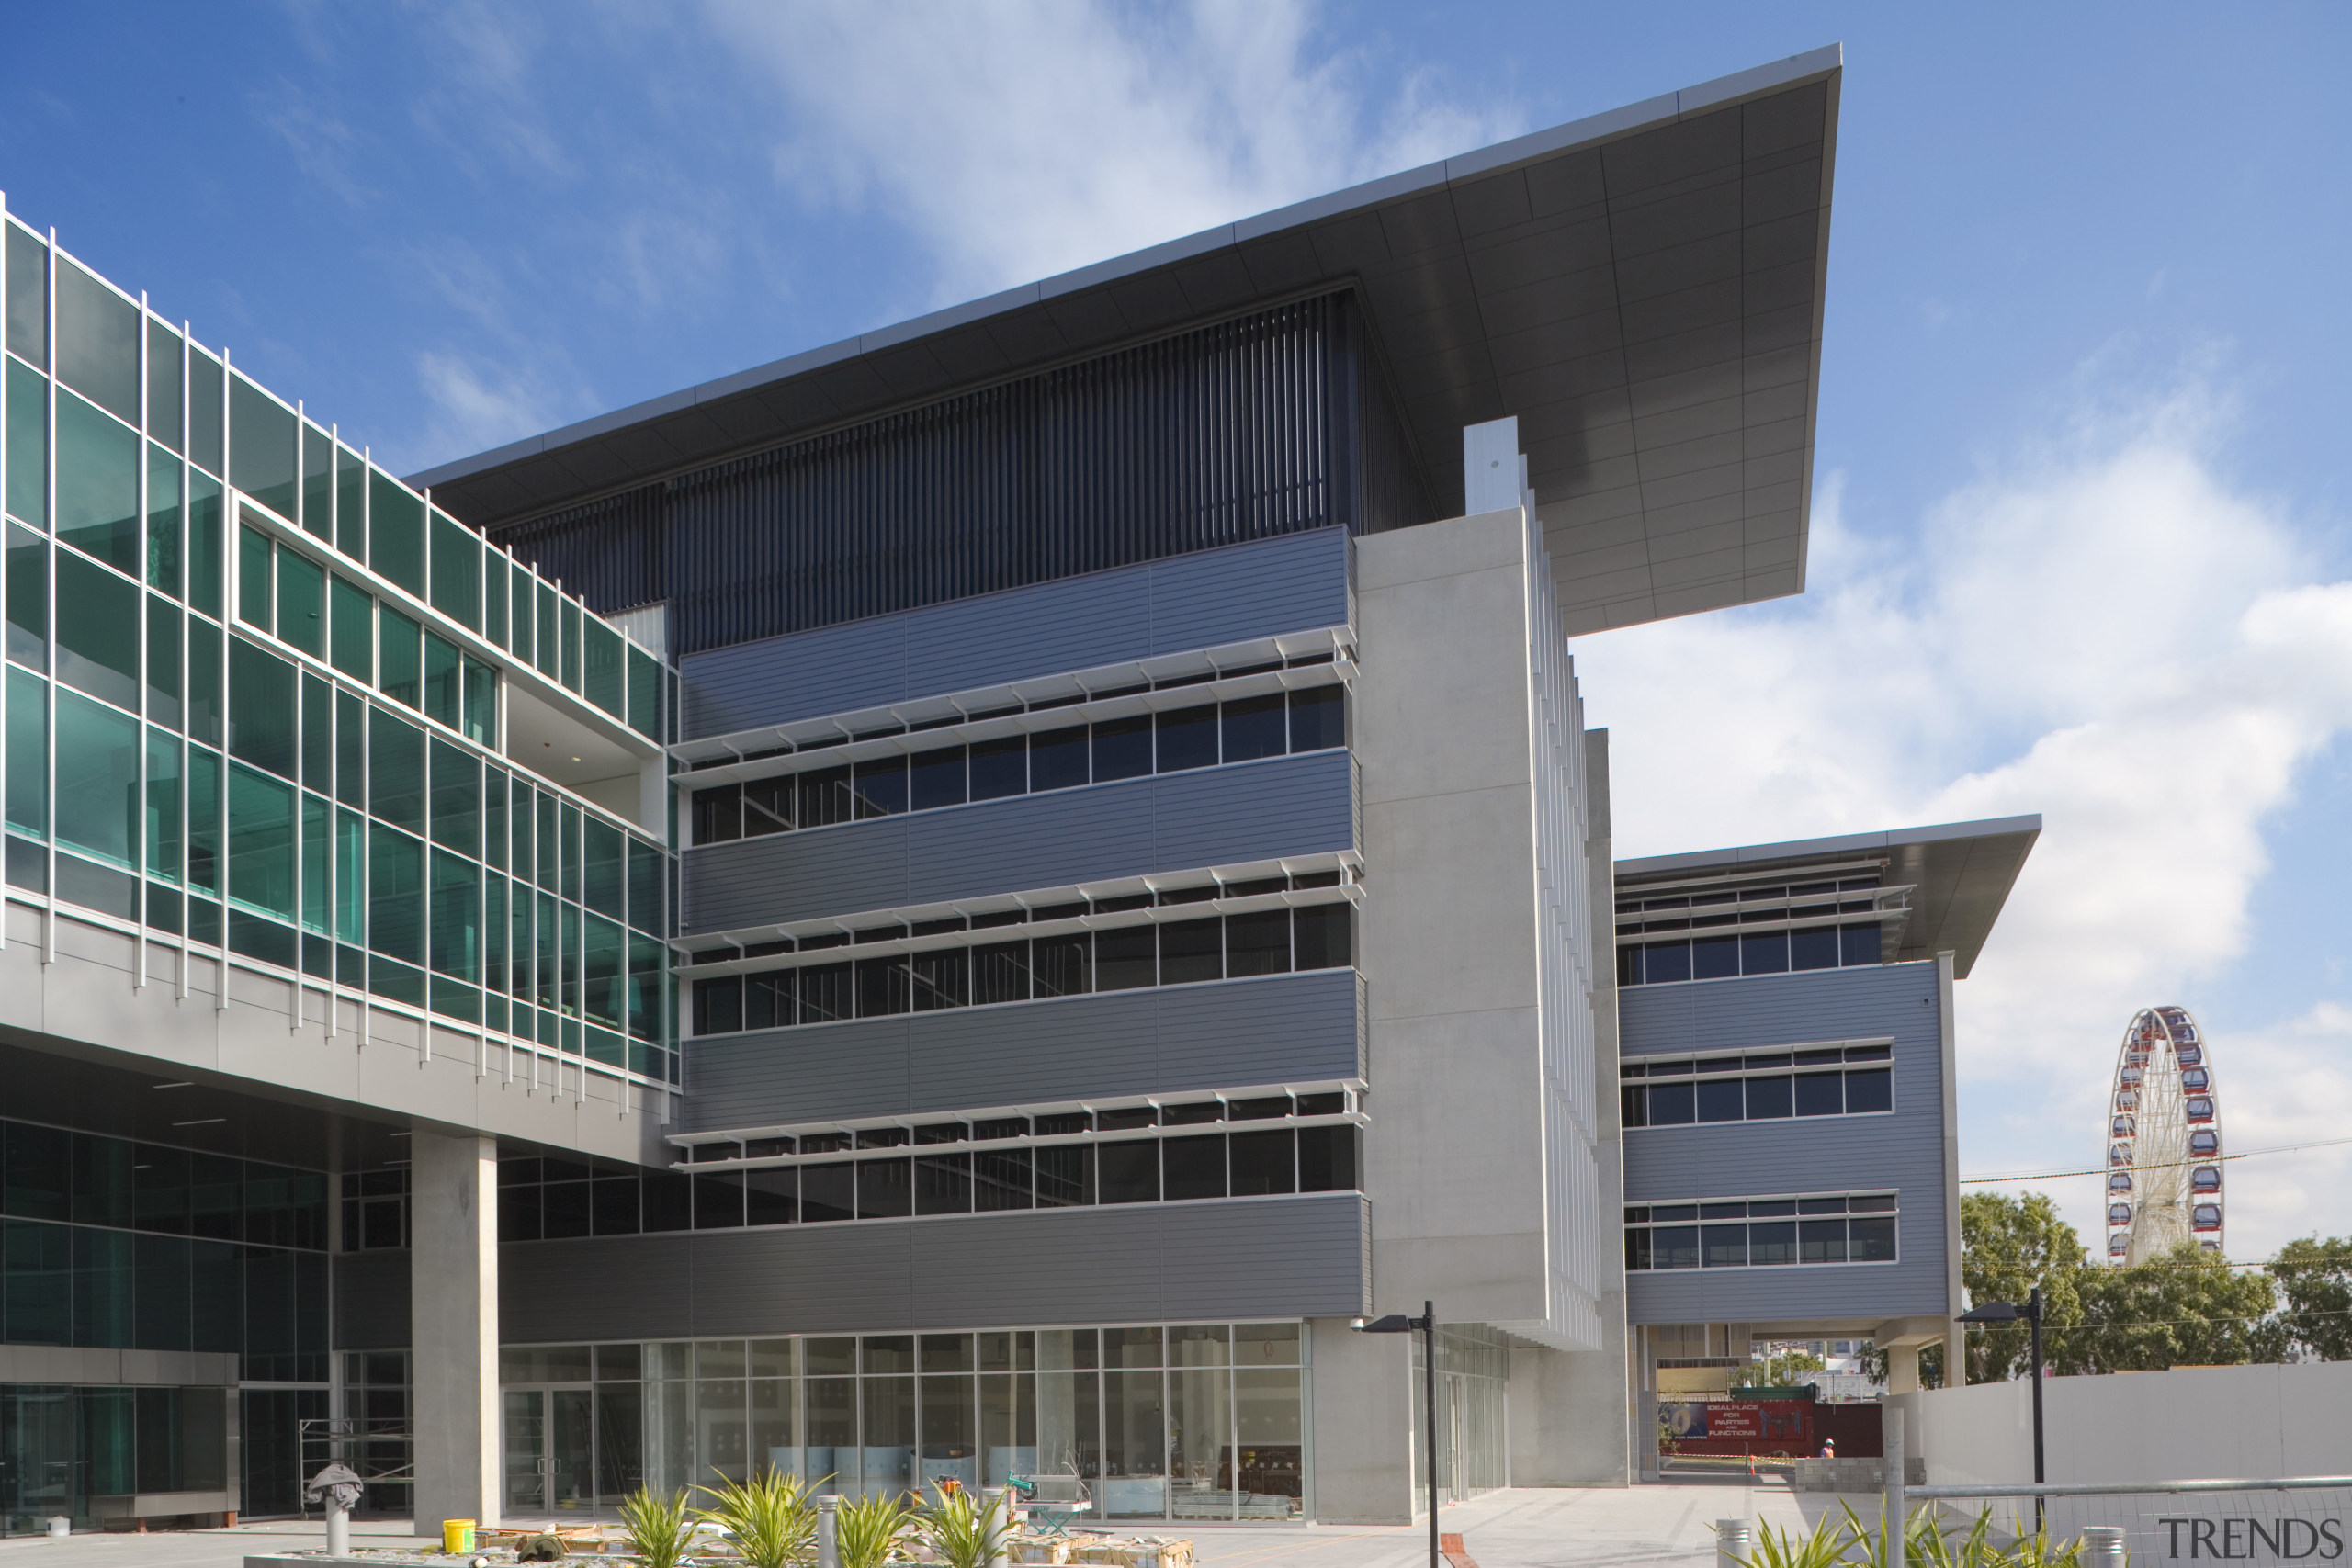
(456, 1535)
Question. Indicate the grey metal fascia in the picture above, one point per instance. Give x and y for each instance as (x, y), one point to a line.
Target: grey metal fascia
(1843, 843)
(1592, 130)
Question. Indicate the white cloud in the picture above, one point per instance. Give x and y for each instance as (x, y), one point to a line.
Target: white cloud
(2100, 630)
(474, 410)
(1021, 140)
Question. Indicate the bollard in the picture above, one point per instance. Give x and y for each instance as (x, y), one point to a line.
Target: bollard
(1735, 1543)
(992, 1499)
(1898, 1507)
(2103, 1546)
(338, 1530)
(60, 1527)
(829, 1545)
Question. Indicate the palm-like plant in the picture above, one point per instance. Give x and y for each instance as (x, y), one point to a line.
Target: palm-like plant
(770, 1517)
(1824, 1547)
(865, 1531)
(965, 1534)
(656, 1525)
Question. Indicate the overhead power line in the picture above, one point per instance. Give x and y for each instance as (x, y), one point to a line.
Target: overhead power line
(2102, 1170)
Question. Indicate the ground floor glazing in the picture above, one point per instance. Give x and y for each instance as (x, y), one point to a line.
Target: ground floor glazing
(1155, 1421)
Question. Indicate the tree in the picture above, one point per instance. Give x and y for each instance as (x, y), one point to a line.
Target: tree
(2186, 1308)
(1780, 1370)
(2315, 1276)
(2009, 1245)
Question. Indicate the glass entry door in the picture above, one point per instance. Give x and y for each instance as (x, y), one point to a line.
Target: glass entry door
(551, 1451)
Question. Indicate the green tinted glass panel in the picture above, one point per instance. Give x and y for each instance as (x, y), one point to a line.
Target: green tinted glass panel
(396, 533)
(607, 872)
(395, 894)
(400, 659)
(27, 445)
(204, 430)
(644, 694)
(318, 857)
(163, 661)
(262, 456)
(163, 521)
(261, 844)
(98, 484)
(645, 886)
(549, 969)
(350, 750)
(27, 752)
(204, 543)
(253, 578)
(352, 629)
(456, 572)
(261, 708)
(456, 799)
(604, 954)
(494, 596)
(317, 735)
(607, 684)
(493, 819)
(28, 296)
(548, 858)
(455, 945)
(164, 371)
(97, 630)
(203, 818)
(318, 482)
(28, 597)
(97, 779)
(570, 615)
(98, 342)
(645, 963)
(550, 635)
(351, 877)
(395, 770)
(444, 697)
(302, 603)
(203, 682)
(519, 612)
(164, 830)
(570, 850)
(481, 703)
(350, 503)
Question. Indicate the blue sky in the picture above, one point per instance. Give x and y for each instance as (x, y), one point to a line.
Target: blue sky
(2080, 524)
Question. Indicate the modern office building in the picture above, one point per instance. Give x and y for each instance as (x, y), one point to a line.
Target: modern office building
(956, 905)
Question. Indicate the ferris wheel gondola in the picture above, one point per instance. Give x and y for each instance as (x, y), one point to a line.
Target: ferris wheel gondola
(2164, 1140)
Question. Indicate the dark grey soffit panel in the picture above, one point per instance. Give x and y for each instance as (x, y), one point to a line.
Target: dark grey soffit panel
(1150, 1262)
(1643, 288)
(1296, 582)
(1232, 1034)
(1285, 806)
(1963, 872)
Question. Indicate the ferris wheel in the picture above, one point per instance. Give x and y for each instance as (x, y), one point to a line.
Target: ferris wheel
(2163, 1148)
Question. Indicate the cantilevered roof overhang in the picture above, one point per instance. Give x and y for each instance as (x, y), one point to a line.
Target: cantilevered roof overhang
(1961, 874)
(1642, 289)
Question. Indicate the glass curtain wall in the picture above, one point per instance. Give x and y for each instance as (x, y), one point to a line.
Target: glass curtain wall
(1473, 1442)
(1192, 1421)
(222, 725)
(64, 1447)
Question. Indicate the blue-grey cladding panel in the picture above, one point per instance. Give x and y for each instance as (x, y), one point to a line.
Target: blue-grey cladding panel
(1279, 1029)
(1902, 1151)
(1284, 805)
(1251, 1258)
(1290, 583)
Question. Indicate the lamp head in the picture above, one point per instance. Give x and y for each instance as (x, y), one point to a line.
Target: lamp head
(1994, 1311)
(1395, 1322)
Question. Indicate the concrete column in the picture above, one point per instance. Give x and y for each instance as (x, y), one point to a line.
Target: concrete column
(1364, 1421)
(453, 1307)
(1902, 1368)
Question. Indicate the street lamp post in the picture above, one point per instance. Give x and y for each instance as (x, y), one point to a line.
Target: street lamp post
(2009, 1312)
(1426, 1325)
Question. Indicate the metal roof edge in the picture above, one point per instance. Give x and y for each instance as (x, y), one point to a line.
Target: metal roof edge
(1796, 849)
(1591, 129)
